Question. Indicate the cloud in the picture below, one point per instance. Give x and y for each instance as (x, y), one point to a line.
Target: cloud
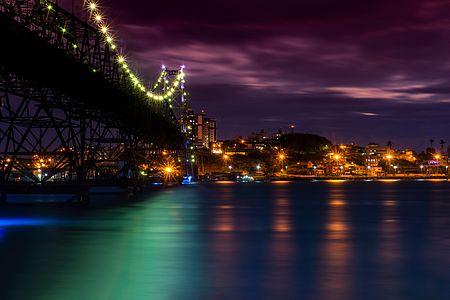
(312, 62)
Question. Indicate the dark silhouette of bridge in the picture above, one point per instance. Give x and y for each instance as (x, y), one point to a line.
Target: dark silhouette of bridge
(70, 110)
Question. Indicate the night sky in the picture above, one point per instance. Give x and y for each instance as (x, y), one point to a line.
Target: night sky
(353, 71)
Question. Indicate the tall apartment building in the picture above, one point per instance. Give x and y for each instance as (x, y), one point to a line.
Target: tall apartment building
(203, 129)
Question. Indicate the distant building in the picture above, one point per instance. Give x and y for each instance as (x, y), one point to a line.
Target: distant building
(204, 130)
(210, 131)
(375, 154)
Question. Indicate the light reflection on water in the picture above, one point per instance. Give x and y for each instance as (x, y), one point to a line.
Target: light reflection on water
(321, 240)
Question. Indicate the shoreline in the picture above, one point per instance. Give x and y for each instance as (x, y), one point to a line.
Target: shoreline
(358, 178)
(338, 178)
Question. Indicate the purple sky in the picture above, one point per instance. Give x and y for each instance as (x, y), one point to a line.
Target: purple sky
(351, 70)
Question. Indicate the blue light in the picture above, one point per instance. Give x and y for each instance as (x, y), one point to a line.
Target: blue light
(187, 180)
(23, 222)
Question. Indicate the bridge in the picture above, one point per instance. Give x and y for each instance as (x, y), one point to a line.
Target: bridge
(72, 109)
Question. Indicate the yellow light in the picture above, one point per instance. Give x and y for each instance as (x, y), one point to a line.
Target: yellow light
(337, 156)
(281, 156)
(437, 156)
(49, 7)
(109, 39)
(168, 170)
(388, 156)
(98, 18)
(120, 59)
(104, 29)
(92, 6)
(226, 157)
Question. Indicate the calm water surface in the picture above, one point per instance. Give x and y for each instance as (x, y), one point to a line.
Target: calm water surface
(299, 240)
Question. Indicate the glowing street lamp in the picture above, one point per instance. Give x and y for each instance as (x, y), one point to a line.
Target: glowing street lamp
(389, 157)
(281, 157)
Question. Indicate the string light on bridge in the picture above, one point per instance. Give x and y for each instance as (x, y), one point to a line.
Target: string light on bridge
(98, 18)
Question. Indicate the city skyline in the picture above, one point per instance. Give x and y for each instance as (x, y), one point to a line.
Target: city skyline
(351, 71)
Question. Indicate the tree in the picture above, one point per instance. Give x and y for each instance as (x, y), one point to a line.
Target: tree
(431, 143)
(389, 144)
(442, 142)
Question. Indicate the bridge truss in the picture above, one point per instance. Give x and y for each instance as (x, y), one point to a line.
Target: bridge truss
(71, 108)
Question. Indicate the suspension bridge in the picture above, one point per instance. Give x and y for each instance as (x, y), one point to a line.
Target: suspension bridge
(72, 108)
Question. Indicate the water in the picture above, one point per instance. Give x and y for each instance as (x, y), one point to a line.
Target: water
(299, 240)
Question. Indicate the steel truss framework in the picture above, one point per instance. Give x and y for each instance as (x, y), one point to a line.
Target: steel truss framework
(79, 122)
(45, 137)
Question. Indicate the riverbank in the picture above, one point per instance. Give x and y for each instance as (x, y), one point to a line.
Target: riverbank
(358, 178)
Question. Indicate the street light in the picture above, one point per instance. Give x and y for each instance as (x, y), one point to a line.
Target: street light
(225, 158)
(281, 157)
(389, 157)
